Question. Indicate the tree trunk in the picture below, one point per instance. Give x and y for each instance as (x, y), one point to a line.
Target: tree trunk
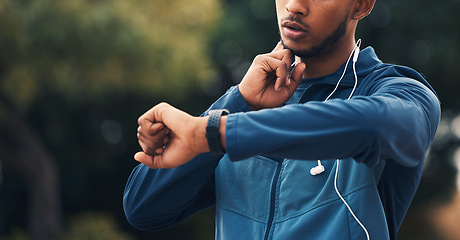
(22, 152)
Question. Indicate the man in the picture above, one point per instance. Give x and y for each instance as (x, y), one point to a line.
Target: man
(330, 148)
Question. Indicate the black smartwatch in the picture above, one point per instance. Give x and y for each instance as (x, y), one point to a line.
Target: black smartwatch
(212, 130)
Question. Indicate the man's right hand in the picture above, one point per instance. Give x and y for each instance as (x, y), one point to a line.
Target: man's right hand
(170, 137)
(269, 82)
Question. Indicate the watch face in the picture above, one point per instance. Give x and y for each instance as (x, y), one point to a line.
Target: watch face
(223, 110)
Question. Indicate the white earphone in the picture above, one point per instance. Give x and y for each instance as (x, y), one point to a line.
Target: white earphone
(355, 53)
(317, 169)
(320, 168)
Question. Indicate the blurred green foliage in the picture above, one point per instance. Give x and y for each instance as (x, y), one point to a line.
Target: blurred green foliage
(94, 226)
(86, 49)
(87, 226)
(82, 71)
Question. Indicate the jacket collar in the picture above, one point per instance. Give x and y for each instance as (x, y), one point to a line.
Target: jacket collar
(367, 61)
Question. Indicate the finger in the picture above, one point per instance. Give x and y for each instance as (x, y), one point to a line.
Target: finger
(148, 122)
(141, 133)
(151, 128)
(298, 71)
(145, 127)
(281, 69)
(147, 117)
(296, 77)
(159, 151)
(158, 110)
(288, 59)
(166, 139)
(147, 148)
(285, 55)
(282, 76)
(149, 143)
(279, 46)
(270, 66)
(155, 129)
(282, 54)
(167, 131)
(144, 159)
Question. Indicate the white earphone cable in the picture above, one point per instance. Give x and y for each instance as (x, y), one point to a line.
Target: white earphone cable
(355, 58)
(345, 202)
(340, 79)
(353, 54)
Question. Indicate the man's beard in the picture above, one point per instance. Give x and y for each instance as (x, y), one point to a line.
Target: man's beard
(331, 40)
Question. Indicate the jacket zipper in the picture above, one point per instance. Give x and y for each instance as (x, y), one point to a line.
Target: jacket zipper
(280, 161)
(271, 216)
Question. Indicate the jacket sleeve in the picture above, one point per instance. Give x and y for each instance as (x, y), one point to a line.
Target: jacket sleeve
(397, 120)
(156, 199)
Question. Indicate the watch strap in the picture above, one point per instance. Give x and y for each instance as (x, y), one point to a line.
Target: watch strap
(212, 130)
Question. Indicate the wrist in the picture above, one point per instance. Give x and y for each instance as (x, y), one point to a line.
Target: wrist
(222, 127)
(246, 98)
(215, 130)
(200, 135)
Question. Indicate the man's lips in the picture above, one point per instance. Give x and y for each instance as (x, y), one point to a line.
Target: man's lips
(293, 25)
(293, 30)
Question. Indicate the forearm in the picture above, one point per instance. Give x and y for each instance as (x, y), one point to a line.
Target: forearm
(365, 128)
(157, 198)
(233, 101)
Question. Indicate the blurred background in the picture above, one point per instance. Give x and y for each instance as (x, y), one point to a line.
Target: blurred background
(75, 75)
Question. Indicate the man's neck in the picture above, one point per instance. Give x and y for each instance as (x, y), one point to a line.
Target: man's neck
(330, 61)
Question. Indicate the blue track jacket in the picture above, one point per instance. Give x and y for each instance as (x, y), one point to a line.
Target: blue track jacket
(262, 188)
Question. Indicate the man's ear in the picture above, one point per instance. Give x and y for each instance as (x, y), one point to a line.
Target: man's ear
(362, 9)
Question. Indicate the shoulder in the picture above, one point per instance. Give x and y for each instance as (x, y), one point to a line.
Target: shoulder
(392, 76)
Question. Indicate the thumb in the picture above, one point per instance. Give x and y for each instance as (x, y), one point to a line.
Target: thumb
(297, 72)
(144, 159)
(279, 46)
(296, 75)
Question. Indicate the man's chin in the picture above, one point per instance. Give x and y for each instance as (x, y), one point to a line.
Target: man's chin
(302, 53)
